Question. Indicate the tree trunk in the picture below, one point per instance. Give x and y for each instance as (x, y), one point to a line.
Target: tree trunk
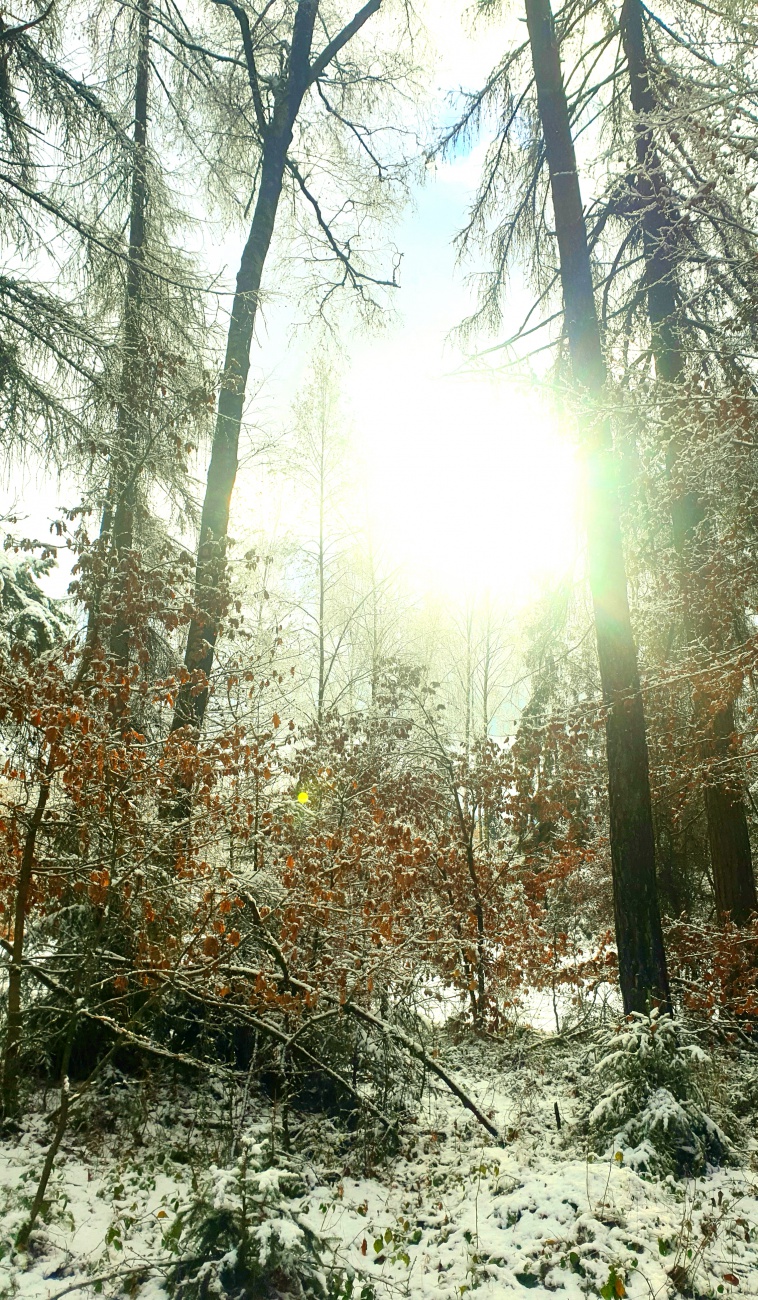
(22, 1239)
(222, 471)
(481, 976)
(321, 579)
(728, 837)
(117, 522)
(642, 963)
(23, 890)
(211, 566)
(125, 466)
(192, 699)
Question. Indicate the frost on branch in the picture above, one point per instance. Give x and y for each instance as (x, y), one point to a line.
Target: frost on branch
(27, 616)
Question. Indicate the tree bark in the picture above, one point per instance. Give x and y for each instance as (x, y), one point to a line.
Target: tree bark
(222, 471)
(728, 836)
(301, 73)
(23, 890)
(117, 521)
(52, 1151)
(642, 964)
(321, 579)
(125, 466)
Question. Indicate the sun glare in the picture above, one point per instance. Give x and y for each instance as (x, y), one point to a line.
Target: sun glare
(472, 487)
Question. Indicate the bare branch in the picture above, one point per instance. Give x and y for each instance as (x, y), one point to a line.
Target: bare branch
(353, 274)
(10, 33)
(252, 71)
(319, 66)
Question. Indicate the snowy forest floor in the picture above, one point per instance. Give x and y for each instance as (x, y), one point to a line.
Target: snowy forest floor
(451, 1211)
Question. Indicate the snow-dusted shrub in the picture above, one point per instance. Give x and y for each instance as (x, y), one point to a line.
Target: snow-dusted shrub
(244, 1238)
(27, 616)
(652, 1107)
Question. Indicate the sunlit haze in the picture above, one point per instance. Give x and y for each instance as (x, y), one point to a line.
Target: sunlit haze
(471, 486)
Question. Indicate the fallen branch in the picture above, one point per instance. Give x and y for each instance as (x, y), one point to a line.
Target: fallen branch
(289, 1043)
(121, 1031)
(360, 1013)
(134, 1271)
(401, 1037)
(391, 1031)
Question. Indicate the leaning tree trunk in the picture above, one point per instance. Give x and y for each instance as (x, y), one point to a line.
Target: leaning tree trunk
(222, 471)
(192, 699)
(728, 837)
(642, 962)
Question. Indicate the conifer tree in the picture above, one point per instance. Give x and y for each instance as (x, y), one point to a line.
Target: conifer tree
(659, 216)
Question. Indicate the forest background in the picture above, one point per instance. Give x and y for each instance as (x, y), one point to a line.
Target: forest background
(400, 679)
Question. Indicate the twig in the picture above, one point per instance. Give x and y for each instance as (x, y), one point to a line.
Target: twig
(118, 1272)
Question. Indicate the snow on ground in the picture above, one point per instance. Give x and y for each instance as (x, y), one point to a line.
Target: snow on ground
(454, 1211)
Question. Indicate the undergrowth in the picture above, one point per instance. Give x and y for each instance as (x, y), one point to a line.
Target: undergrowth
(655, 1084)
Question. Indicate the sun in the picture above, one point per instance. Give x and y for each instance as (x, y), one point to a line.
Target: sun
(472, 486)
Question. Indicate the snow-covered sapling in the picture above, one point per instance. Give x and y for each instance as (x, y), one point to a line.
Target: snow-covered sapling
(651, 1071)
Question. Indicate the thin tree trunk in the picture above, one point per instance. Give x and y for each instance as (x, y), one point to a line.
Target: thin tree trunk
(192, 699)
(117, 522)
(125, 468)
(222, 471)
(374, 636)
(52, 1151)
(481, 977)
(469, 683)
(728, 836)
(321, 580)
(642, 963)
(484, 828)
(486, 675)
(23, 891)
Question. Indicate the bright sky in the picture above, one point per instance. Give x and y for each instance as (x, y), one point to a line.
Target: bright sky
(470, 484)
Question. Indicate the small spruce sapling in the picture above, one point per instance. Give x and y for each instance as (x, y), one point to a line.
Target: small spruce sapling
(651, 1110)
(244, 1237)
